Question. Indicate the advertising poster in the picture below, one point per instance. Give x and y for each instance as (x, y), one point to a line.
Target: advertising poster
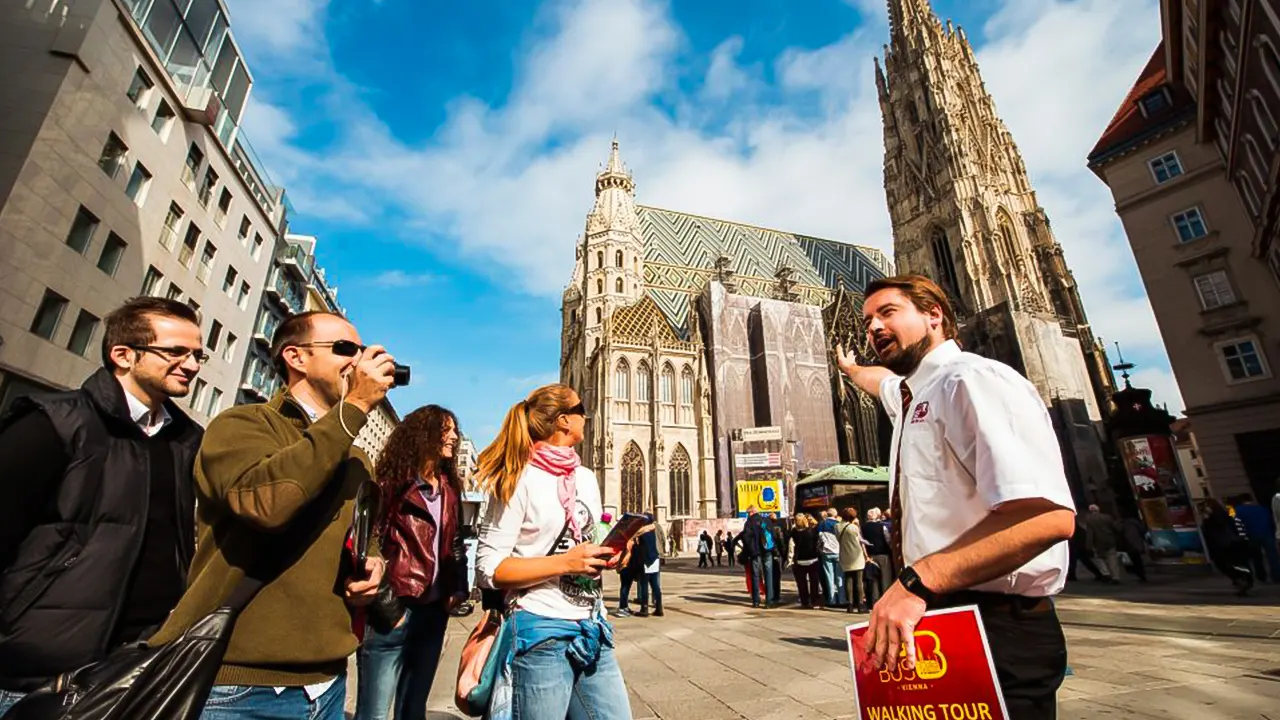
(954, 677)
(764, 494)
(1160, 490)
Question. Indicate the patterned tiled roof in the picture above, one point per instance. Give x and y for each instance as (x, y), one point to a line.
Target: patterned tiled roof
(681, 250)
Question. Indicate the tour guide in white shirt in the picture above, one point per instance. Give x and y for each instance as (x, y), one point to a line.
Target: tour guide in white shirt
(981, 507)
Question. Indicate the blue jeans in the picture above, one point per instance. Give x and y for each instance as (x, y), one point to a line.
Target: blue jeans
(762, 577)
(243, 702)
(549, 684)
(834, 576)
(8, 699)
(647, 581)
(401, 665)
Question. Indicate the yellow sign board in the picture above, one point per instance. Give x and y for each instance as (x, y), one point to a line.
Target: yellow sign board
(763, 495)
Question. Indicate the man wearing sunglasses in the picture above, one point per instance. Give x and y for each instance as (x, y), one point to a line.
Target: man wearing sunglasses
(96, 501)
(277, 483)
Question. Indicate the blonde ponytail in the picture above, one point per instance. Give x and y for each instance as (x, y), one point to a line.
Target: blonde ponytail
(500, 465)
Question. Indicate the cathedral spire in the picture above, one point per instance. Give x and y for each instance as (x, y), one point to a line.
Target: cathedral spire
(908, 18)
(615, 174)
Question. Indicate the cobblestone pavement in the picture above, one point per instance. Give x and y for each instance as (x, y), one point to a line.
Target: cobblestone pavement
(1182, 646)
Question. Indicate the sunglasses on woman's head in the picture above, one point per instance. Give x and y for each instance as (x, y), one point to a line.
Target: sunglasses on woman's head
(578, 409)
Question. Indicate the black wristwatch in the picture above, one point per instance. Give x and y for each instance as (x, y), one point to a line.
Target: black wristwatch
(910, 580)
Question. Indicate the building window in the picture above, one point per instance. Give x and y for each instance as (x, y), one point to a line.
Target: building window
(622, 381)
(151, 281)
(229, 282)
(195, 158)
(686, 387)
(665, 383)
(215, 402)
(617, 285)
(1166, 167)
(599, 316)
(644, 383)
(599, 258)
(139, 183)
(172, 221)
(189, 243)
(205, 193)
(1190, 225)
(257, 246)
(943, 261)
(82, 229)
(1154, 102)
(139, 89)
(163, 120)
(215, 336)
(681, 482)
(599, 286)
(245, 228)
(82, 333)
(1243, 360)
(242, 299)
(197, 393)
(618, 259)
(206, 262)
(114, 155)
(229, 348)
(174, 292)
(112, 254)
(224, 207)
(48, 314)
(1214, 290)
(633, 494)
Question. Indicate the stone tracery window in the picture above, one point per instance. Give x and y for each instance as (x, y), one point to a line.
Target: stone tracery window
(681, 482)
(665, 385)
(632, 479)
(644, 391)
(617, 285)
(945, 263)
(618, 259)
(686, 386)
(622, 380)
(599, 258)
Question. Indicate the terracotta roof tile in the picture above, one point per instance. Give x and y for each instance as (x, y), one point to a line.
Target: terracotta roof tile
(1130, 122)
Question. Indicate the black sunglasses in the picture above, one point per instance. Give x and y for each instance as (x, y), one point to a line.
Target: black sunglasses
(342, 348)
(578, 409)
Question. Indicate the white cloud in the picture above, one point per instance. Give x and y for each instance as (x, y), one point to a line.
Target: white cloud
(508, 185)
(400, 279)
(1164, 389)
(279, 27)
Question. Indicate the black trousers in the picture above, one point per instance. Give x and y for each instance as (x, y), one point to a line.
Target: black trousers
(1028, 648)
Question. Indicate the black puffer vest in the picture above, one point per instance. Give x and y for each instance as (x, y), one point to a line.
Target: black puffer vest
(60, 599)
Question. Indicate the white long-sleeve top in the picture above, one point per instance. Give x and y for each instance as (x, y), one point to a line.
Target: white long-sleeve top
(528, 526)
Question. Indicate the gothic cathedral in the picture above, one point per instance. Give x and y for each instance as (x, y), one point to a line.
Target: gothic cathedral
(964, 213)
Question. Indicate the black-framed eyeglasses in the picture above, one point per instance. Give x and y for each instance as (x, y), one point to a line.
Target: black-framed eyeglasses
(578, 409)
(342, 348)
(174, 354)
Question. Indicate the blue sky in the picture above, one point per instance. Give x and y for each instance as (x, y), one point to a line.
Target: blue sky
(445, 153)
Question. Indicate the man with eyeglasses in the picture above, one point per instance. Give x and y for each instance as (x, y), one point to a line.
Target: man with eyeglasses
(277, 484)
(96, 501)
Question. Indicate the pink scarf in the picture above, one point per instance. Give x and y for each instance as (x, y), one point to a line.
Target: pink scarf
(561, 462)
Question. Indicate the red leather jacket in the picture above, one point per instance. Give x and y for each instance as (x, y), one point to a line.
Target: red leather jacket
(408, 545)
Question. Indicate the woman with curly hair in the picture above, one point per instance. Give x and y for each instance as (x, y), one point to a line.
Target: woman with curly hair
(426, 564)
(539, 543)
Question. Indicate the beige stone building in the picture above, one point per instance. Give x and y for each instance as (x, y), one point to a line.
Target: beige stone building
(1188, 180)
(964, 213)
(123, 172)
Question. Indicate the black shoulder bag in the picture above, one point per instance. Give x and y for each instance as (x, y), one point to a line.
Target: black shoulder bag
(171, 681)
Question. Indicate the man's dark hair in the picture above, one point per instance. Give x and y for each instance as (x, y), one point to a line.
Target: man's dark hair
(130, 324)
(294, 330)
(924, 293)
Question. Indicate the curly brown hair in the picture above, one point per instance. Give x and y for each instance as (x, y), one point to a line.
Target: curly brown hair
(413, 451)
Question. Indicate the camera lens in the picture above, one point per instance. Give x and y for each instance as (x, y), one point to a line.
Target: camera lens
(401, 376)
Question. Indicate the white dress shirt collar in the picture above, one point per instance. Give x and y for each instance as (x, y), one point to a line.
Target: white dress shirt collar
(931, 364)
(150, 423)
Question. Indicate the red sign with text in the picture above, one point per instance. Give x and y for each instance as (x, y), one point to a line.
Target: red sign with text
(954, 677)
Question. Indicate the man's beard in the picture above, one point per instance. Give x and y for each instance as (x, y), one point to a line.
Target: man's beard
(905, 361)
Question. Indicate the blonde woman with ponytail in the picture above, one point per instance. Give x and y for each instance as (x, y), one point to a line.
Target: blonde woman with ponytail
(538, 542)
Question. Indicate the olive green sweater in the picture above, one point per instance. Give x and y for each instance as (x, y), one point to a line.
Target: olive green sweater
(259, 468)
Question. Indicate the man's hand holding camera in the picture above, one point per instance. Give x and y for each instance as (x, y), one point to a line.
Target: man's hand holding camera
(370, 378)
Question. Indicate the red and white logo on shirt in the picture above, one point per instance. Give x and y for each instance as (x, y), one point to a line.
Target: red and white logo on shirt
(922, 412)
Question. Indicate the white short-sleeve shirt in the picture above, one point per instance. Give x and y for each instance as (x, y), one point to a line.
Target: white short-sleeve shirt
(976, 435)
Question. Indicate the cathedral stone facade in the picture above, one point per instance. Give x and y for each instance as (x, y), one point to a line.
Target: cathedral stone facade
(964, 213)
(661, 321)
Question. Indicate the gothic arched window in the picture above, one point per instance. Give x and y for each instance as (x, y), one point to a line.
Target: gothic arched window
(599, 315)
(943, 261)
(599, 258)
(618, 285)
(686, 387)
(681, 482)
(599, 287)
(644, 382)
(622, 380)
(632, 479)
(618, 259)
(666, 383)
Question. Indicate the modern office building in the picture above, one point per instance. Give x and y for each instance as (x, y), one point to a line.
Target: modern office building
(123, 171)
